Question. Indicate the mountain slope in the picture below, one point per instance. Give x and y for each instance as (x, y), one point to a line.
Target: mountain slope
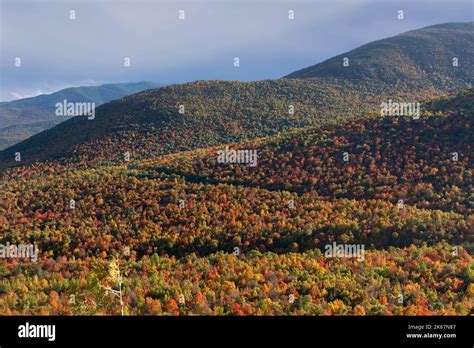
(417, 58)
(22, 118)
(374, 157)
(215, 112)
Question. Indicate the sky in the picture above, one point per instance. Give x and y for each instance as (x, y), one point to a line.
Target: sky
(57, 52)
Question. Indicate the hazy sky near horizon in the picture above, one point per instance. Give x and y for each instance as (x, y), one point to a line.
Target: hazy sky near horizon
(57, 52)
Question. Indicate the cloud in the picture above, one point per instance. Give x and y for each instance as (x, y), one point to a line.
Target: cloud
(24, 94)
(48, 88)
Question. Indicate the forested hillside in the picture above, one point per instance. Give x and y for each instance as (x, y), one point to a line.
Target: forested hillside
(193, 115)
(425, 161)
(193, 236)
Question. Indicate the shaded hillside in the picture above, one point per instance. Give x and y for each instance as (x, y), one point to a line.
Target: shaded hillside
(389, 158)
(415, 59)
(22, 118)
(215, 112)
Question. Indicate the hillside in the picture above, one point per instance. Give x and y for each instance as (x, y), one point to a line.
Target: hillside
(415, 59)
(215, 112)
(22, 118)
(209, 113)
(183, 216)
(388, 158)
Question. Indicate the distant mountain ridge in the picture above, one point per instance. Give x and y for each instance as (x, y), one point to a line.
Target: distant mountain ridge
(418, 58)
(19, 119)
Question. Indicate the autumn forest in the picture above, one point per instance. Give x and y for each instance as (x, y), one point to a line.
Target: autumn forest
(345, 210)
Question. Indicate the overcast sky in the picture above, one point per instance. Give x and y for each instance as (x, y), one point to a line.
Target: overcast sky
(57, 52)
